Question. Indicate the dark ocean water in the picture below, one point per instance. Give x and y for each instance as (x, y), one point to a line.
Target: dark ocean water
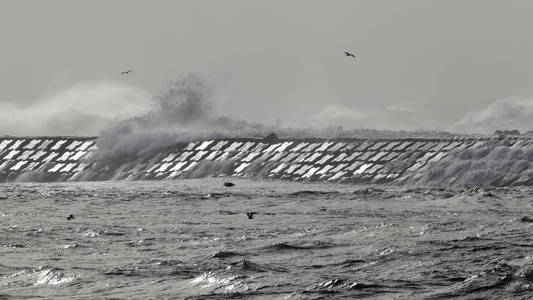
(191, 239)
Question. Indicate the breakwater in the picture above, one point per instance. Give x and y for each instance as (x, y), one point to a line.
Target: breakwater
(393, 161)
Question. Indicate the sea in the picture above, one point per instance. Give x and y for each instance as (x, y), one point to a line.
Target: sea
(193, 239)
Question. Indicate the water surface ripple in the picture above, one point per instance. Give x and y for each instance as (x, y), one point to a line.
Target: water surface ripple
(191, 239)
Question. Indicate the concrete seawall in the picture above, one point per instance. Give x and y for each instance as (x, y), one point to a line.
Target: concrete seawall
(391, 161)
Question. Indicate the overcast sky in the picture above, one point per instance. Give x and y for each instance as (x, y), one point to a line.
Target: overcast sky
(419, 64)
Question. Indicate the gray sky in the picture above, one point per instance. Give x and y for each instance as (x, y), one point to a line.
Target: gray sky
(419, 63)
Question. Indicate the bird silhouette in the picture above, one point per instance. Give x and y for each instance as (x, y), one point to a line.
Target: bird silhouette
(70, 217)
(251, 214)
(126, 72)
(349, 54)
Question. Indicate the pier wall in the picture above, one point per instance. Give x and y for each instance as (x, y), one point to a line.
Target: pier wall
(357, 161)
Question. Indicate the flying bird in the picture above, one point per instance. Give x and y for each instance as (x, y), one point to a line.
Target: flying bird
(251, 214)
(349, 54)
(126, 72)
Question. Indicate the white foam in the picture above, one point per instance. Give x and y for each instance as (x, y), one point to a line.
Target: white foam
(374, 169)
(191, 166)
(4, 144)
(199, 155)
(337, 147)
(56, 168)
(164, 167)
(277, 156)
(291, 168)
(184, 156)
(190, 146)
(240, 168)
(38, 155)
(378, 156)
(391, 156)
(389, 146)
(324, 159)
(324, 146)
(204, 145)
(284, 146)
(152, 168)
(311, 172)
(354, 166)
(324, 170)
(219, 145)
(223, 156)
(80, 167)
(258, 148)
(290, 157)
(85, 145)
(233, 146)
(50, 157)
(58, 145)
(65, 156)
(68, 167)
(338, 168)
(311, 147)
(32, 144)
(31, 166)
(212, 155)
(352, 156)
(178, 166)
(18, 165)
(170, 157)
(337, 176)
(25, 155)
(278, 168)
(301, 157)
(45, 144)
(362, 169)
(303, 169)
(298, 147)
(247, 146)
(16, 144)
(11, 154)
(78, 155)
(377, 146)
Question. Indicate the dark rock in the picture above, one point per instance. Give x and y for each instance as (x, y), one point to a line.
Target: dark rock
(526, 219)
(271, 137)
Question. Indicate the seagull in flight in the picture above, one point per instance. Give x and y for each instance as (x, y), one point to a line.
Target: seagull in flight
(126, 72)
(349, 54)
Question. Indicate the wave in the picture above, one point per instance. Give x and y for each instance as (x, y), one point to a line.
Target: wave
(496, 280)
(248, 266)
(307, 193)
(488, 163)
(305, 245)
(339, 283)
(44, 276)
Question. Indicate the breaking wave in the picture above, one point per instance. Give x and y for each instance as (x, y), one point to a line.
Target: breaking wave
(186, 112)
(488, 163)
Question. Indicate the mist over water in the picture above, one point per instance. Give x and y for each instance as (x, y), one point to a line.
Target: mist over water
(81, 109)
(514, 112)
(186, 111)
(182, 113)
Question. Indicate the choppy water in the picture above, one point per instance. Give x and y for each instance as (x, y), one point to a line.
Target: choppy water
(192, 239)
